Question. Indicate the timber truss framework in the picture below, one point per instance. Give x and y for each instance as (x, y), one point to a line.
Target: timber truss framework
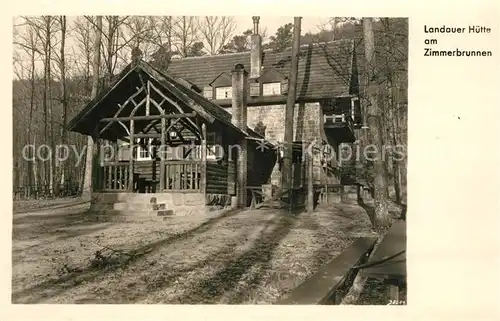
(168, 112)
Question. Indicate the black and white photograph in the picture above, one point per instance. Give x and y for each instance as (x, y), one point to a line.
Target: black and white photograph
(243, 160)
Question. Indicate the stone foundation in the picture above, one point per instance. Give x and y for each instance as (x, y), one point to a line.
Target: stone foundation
(180, 203)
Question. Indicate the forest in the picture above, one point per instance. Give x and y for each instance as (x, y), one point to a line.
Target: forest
(53, 68)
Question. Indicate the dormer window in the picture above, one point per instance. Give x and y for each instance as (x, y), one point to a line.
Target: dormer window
(223, 86)
(224, 92)
(271, 89)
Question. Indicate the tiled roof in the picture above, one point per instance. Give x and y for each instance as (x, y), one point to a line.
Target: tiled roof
(325, 70)
(100, 107)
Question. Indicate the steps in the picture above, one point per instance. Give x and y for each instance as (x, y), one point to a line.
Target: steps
(136, 206)
(128, 215)
(134, 209)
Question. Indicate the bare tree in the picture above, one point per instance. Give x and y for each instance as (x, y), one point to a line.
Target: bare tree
(29, 43)
(61, 62)
(162, 37)
(44, 28)
(112, 35)
(139, 33)
(162, 31)
(82, 33)
(216, 31)
(89, 157)
(186, 34)
(382, 218)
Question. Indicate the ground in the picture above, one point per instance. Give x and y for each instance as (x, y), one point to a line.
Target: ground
(236, 256)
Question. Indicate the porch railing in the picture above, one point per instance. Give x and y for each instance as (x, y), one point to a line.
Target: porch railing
(182, 176)
(179, 176)
(113, 177)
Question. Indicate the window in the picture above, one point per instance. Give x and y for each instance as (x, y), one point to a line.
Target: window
(141, 153)
(223, 93)
(214, 150)
(144, 152)
(271, 89)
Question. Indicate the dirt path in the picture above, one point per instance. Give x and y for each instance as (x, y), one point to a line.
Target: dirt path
(250, 256)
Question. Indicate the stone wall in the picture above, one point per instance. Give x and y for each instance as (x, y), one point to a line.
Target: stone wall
(180, 203)
(307, 126)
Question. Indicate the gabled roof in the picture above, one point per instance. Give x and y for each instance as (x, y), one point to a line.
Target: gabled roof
(105, 104)
(325, 69)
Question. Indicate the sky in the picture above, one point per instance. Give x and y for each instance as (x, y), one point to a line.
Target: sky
(270, 23)
(274, 22)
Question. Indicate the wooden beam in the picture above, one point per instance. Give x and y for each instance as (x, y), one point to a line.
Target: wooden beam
(193, 126)
(162, 156)
(123, 106)
(131, 158)
(125, 127)
(150, 125)
(148, 97)
(173, 103)
(310, 188)
(148, 135)
(142, 102)
(203, 166)
(150, 117)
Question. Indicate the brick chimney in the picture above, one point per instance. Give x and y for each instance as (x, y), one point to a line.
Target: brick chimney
(239, 119)
(256, 51)
(239, 100)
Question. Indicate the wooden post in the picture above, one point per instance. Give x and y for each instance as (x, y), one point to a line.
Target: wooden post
(203, 165)
(131, 158)
(310, 186)
(242, 173)
(96, 166)
(148, 98)
(287, 172)
(162, 154)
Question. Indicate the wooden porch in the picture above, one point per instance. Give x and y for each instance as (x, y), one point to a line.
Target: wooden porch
(151, 112)
(176, 176)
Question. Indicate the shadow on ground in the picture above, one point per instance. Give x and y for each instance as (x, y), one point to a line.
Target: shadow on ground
(210, 290)
(56, 286)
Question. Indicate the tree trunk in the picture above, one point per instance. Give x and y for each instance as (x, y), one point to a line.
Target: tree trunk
(111, 37)
(62, 63)
(32, 165)
(382, 218)
(48, 96)
(287, 173)
(35, 166)
(89, 157)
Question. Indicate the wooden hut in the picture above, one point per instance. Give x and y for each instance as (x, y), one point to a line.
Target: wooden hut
(160, 141)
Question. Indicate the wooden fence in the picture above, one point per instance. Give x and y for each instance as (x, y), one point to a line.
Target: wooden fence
(29, 192)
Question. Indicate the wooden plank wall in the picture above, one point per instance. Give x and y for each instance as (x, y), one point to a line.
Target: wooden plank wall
(217, 178)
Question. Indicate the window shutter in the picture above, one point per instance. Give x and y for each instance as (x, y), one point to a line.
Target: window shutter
(254, 89)
(208, 92)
